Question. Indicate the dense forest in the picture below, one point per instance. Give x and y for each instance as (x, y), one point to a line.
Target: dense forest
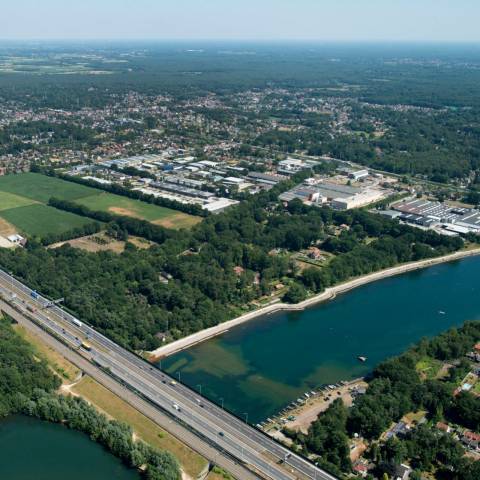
(20, 373)
(423, 75)
(27, 386)
(125, 297)
(396, 388)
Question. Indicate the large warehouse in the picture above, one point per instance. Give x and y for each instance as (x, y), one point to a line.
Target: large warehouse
(428, 213)
(340, 197)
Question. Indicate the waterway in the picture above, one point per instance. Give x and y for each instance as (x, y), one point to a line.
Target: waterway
(32, 449)
(262, 365)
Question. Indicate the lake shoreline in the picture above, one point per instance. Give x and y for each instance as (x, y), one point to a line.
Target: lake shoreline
(328, 294)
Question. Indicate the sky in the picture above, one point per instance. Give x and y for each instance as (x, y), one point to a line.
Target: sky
(324, 20)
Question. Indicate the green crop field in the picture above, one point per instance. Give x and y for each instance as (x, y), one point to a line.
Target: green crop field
(10, 200)
(40, 220)
(115, 204)
(24, 198)
(41, 188)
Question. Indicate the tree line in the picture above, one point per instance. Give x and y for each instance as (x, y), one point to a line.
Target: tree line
(192, 209)
(134, 226)
(28, 385)
(87, 229)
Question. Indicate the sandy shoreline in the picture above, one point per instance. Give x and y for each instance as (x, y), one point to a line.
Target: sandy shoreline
(328, 294)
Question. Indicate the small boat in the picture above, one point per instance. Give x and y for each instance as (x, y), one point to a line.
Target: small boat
(362, 359)
(441, 312)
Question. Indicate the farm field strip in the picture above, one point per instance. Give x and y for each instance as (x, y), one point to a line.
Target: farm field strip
(117, 205)
(10, 200)
(41, 188)
(40, 220)
(24, 198)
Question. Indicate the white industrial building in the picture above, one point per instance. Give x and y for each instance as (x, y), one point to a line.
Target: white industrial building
(358, 200)
(218, 205)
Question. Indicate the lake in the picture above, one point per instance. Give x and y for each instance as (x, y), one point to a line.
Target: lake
(259, 367)
(33, 449)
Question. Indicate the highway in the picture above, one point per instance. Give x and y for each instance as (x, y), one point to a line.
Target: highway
(227, 433)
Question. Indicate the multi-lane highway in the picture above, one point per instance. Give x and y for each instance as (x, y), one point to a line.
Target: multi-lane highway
(226, 432)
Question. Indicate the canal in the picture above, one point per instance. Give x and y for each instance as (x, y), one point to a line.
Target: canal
(33, 449)
(259, 367)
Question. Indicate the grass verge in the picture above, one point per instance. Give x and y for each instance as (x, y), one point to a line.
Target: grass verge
(66, 370)
(192, 463)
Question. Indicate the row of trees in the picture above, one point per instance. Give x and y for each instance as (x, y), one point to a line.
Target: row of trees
(117, 437)
(192, 209)
(87, 229)
(27, 386)
(134, 226)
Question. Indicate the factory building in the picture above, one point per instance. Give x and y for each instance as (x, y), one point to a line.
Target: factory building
(358, 200)
(427, 213)
(340, 197)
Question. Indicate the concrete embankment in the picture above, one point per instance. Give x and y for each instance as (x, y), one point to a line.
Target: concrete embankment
(328, 294)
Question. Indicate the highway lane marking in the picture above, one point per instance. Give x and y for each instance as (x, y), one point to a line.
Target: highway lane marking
(221, 415)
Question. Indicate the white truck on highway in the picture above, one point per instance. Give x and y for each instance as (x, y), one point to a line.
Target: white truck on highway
(78, 323)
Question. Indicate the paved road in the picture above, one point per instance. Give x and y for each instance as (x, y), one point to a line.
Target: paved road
(210, 422)
(163, 420)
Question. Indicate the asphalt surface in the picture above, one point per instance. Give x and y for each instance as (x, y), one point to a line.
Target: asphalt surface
(212, 424)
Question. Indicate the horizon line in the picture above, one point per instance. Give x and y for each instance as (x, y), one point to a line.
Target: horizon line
(246, 40)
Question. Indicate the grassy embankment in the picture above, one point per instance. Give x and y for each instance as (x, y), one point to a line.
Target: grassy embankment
(113, 406)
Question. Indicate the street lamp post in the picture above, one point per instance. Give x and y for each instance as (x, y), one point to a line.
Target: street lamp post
(246, 417)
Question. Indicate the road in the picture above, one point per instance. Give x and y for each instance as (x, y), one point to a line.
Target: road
(251, 447)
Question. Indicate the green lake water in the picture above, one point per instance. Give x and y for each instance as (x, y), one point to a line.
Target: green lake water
(262, 365)
(34, 450)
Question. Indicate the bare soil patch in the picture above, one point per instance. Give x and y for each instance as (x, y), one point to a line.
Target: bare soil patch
(124, 211)
(6, 228)
(101, 242)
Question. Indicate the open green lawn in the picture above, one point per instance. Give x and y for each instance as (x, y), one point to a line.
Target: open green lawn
(41, 188)
(116, 204)
(10, 200)
(40, 220)
(428, 367)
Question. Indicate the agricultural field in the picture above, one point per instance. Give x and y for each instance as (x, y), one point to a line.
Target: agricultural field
(24, 209)
(115, 204)
(41, 188)
(40, 220)
(10, 200)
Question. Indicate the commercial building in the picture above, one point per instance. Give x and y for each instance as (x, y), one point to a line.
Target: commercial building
(340, 197)
(354, 173)
(268, 178)
(219, 205)
(358, 200)
(450, 218)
